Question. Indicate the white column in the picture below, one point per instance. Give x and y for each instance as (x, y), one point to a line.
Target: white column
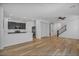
(38, 29)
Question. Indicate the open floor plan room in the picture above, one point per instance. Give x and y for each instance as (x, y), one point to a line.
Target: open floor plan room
(39, 29)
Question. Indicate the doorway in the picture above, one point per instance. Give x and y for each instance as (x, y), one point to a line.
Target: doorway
(34, 32)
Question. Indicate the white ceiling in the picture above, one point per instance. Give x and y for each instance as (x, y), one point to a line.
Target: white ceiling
(47, 11)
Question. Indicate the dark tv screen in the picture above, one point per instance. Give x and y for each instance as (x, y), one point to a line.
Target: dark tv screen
(15, 25)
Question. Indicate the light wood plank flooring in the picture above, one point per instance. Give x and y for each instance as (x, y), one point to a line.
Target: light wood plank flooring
(44, 47)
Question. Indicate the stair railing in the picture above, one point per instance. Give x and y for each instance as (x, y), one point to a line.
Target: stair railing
(61, 30)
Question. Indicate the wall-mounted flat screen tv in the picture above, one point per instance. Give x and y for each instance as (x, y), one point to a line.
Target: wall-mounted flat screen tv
(16, 25)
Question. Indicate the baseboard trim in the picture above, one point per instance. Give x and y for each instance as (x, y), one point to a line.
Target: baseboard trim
(45, 37)
(69, 38)
(1, 48)
(17, 45)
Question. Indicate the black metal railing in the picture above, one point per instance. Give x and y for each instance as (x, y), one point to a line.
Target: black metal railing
(61, 30)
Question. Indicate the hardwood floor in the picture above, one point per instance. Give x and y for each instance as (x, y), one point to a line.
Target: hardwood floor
(44, 47)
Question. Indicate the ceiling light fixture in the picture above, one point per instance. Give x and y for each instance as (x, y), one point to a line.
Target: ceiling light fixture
(62, 18)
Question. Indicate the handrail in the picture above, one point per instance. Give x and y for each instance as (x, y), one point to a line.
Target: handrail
(61, 30)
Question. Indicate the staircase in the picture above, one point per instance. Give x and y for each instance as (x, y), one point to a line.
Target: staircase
(61, 30)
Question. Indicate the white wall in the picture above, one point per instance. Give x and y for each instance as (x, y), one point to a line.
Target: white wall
(72, 23)
(1, 28)
(72, 27)
(29, 26)
(42, 28)
(12, 39)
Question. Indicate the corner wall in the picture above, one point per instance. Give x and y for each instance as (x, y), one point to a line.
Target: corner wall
(72, 23)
